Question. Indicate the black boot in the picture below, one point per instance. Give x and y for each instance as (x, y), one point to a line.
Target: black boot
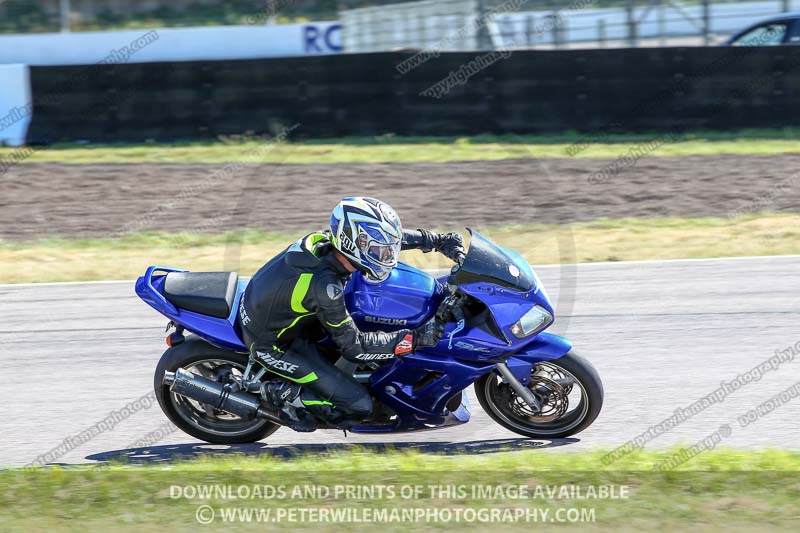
(282, 397)
(279, 393)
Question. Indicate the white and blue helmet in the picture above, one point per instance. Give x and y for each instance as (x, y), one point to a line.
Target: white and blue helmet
(367, 232)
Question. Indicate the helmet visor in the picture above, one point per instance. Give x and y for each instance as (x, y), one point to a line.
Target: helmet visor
(383, 254)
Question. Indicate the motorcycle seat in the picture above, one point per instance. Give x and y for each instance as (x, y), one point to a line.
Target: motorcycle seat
(207, 293)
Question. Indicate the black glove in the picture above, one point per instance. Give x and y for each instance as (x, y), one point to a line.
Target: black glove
(450, 310)
(451, 245)
(429, 333)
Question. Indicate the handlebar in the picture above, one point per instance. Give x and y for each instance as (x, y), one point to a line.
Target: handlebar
(451, 308)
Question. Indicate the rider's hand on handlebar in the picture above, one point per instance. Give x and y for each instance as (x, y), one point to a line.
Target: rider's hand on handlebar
(451, 245)
(429, 333)
(450, 309)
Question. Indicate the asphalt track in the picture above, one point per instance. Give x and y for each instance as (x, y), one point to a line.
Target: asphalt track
(661, 334)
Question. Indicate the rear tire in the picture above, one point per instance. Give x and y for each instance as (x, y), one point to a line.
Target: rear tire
(192, 351)
(490, 393)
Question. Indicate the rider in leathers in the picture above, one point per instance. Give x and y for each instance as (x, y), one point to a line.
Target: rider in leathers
(297, 298)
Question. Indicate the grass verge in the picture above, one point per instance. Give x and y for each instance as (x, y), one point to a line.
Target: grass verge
(604, 240)
(717, 490)
(390, 148)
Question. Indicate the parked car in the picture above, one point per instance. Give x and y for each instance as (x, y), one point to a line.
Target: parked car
(776, 31)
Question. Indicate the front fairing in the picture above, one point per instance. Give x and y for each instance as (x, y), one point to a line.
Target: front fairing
(508, 287)
(488, 262)
(484, 340)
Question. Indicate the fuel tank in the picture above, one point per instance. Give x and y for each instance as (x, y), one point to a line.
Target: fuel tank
(405, 300)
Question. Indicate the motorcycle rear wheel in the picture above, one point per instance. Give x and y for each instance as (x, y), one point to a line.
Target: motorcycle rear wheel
(548, 382)
(199, 420)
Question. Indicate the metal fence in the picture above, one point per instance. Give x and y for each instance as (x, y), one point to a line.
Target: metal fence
(442, 24)
(377, 25)
(644, 23)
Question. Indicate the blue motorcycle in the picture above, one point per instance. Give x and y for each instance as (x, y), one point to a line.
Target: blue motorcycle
(529, 381)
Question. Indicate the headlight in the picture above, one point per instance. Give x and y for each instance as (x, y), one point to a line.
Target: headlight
(532, 322)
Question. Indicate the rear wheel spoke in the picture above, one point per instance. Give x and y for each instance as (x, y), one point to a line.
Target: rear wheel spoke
(207, 417)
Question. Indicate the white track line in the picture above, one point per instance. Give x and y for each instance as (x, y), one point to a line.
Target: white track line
(441, 272)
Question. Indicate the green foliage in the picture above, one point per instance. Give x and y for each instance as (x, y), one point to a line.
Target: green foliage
(392, 148)
(19, 16)
(26, 16)
(719, 489)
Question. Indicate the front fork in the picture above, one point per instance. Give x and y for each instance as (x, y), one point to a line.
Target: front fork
(517, 369)
(521, 390)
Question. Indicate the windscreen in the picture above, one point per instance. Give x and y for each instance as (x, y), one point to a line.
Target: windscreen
(490, 263)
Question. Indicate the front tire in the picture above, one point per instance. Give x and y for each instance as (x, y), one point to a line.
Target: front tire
(549, 382)
(199, 420)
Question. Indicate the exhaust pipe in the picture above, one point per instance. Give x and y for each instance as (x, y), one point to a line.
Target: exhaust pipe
(211, 392)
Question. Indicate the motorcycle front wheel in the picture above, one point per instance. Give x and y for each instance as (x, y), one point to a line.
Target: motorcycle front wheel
(568, 388)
